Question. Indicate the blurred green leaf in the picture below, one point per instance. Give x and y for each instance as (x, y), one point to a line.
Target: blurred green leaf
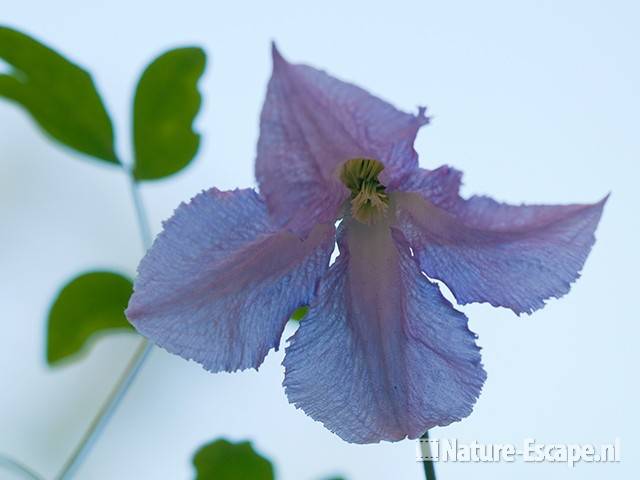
(223, 460)
(299, 313)
(91, 303)
(166, 103)
(59, 95)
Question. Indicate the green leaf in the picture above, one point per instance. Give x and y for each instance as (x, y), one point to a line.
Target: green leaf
(299, 313)
(91, 303)
(223, 460)
(165, 105)
(60, 96)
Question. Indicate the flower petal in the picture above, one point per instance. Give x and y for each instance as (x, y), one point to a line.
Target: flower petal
(381, 354)
(440, 186)
(506, 255)
(310, 124)
(220, 282)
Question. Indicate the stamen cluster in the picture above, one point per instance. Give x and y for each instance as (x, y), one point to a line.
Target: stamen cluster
(369, 200)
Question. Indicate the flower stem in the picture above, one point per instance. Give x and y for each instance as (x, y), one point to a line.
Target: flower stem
(107, 410)
(429, 469)
(11, 464)
(128, 376)
(143, 222)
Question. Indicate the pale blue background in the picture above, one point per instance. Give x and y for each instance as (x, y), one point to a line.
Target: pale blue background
(536, 101)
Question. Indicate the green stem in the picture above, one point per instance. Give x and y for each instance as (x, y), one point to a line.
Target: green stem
(429, 469)
(143, 223)
(106, 412)
(121, 388)
(11, 464)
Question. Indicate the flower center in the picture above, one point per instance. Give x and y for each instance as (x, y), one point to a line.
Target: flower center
(368, 198)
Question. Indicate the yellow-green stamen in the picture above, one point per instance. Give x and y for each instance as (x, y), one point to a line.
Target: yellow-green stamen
(368, 198)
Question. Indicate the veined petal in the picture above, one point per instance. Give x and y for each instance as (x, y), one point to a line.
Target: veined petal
(381, 354)
(440, 186)
(220, 282)
(310, 124)
(506, 255)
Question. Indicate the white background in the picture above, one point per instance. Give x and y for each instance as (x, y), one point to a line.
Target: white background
(535, 101)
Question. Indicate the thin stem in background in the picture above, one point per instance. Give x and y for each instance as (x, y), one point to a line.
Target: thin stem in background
(128, 376)
(143, 222)
(11, 464)
(429, 469)
(106, 412)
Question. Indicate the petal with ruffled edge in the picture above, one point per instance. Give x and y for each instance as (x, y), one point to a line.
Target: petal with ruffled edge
(310, 124)
(506, 255)
(381, 354)
(220, 282)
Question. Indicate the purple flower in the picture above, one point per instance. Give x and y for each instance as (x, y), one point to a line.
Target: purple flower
(381, 355)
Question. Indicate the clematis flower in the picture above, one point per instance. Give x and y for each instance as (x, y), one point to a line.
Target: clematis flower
(381, 354)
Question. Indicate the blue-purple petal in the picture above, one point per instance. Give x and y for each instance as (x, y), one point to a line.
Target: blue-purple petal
(440, 186)
(510, 256)
(220, 281)
(310, 124)
(381, 354)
